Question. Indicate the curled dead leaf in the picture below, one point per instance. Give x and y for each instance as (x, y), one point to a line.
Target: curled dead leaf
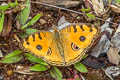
(112, 71)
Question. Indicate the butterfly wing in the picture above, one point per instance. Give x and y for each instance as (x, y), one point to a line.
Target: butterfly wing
(76, 40)
(42, 45)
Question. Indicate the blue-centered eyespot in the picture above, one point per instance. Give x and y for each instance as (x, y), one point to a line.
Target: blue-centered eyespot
(82, 38)
(39, 47)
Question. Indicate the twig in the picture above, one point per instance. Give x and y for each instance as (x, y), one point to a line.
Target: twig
(69, 10)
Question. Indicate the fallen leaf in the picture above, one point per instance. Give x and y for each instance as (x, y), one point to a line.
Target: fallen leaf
(104, 43)
(94, 62)
(113, 53)
(112, 71)
(113, 56)
(115, 40)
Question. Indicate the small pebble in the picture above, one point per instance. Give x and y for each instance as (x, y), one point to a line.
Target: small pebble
(43, 21)
(74, 14)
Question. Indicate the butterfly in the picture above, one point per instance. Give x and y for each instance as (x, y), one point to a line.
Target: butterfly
(62, 47)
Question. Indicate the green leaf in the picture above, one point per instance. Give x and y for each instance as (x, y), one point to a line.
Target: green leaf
(24, 35)
(28, 31)
(80, 67)
(12, 59)
(2, 21)
(9, 5)
(85, 10)
(5, 7)
(35, 19)
(31, 22)
(58, 71)
(12, 5)
(84, 56)
(14, 53)
(118, 1)
(55, 73)
(90, 15)
(24, 14)
(32, 58)
(78, 78)
(31, 31)
(38, 67)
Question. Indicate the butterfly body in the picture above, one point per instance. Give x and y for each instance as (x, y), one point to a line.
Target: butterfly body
(58, 40)
(62, 47)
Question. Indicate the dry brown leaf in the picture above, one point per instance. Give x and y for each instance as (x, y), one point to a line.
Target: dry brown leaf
(113, 56)
(115, 40)
(112, 71)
